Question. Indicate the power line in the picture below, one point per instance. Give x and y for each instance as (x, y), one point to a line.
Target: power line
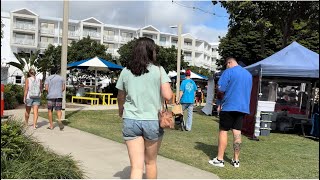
(197, 8)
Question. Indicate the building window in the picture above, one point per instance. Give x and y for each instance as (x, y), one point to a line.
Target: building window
(47, 25)
(187, 43)
(71, 28)
(18, 79)
(23, 36)
(110, 45)
(47, 39)
(109, 33)
(163, 39)
(126, 34)
(25, 21)
(90, 29)
(148, 36)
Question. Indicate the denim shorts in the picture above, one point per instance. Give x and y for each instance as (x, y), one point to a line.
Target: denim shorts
(148, 129)
(33, 102)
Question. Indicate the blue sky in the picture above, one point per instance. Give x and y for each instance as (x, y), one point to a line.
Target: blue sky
(160, 14)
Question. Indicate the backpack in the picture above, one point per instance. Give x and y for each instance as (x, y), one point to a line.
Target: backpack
(35, 89)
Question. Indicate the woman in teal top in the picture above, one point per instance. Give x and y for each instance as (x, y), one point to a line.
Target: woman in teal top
(139, 101)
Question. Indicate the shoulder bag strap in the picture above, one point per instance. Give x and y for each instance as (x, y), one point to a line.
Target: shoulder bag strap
(163, 102)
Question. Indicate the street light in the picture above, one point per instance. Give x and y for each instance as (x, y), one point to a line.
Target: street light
(178, 60)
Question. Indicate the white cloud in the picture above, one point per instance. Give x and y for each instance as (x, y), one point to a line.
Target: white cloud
(160, 14)
(206, 33)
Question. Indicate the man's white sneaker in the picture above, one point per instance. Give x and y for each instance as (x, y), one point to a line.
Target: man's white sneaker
(235, 163)
(216, 162)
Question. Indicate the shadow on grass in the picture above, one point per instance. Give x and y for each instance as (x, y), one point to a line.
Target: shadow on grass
(211, 151)
(71, 114)
(125, 173)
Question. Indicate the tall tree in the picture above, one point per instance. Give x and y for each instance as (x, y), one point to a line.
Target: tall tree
(87, 48)
(257, 29)
(167, 57)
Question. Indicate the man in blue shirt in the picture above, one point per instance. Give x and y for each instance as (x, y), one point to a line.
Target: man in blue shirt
(188, 90)
(234, 90)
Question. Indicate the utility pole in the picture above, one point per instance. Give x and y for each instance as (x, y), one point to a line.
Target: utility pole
(178, 62)
(64, 52)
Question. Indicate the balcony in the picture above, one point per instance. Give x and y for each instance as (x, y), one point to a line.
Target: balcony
(187, 58)
(73, 34)
(111, 51)
(24, 41)
(174, 44)
(163, 43)
(24, 26)
(109, 38)
(44, 44)
(91, 34)
(47, 31)
(126, 39)
(187, 47)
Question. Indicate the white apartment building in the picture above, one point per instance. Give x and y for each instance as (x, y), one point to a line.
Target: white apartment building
(26, 31)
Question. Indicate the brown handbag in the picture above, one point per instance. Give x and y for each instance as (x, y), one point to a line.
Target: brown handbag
(165, 115)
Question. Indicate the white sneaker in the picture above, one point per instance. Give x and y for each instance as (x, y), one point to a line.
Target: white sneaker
(235, 163)
(216, 162)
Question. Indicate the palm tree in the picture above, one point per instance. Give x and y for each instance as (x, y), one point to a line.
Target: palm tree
(26, 62)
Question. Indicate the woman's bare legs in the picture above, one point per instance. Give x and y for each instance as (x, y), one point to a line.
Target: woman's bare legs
(27, 114)
(151, 153)
(136, 154)
(35, 115)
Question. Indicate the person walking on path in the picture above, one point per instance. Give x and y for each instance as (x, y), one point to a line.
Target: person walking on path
(32, 96)
(199, 96)
(139, 104)
(187, 97)
(234, 90)
(55, 85)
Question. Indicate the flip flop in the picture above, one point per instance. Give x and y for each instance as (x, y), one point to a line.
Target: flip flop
(49, 128)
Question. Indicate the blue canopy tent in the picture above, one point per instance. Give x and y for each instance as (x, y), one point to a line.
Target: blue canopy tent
(293, 61)
(96, 64)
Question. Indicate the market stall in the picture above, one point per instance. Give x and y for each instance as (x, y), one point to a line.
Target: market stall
(285, 83)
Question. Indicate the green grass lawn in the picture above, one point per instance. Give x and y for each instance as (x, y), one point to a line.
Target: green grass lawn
(278, 156)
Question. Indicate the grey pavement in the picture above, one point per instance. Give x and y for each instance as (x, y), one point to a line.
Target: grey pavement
(102, 158)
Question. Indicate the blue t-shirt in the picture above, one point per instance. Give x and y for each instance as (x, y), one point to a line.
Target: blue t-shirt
(188, 87)
(236, 83)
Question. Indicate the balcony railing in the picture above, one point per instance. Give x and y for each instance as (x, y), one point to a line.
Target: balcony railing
(187, 47)
(126, 39)
(47, 31)
(163, 43)
(73, 33)
(44, 44)
(187, 58)
(109, 38)
(23, 41)
(111, 51)
(91, 34)
(24, 26)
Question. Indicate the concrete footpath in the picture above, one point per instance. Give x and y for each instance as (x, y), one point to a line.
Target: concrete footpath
(102, 158)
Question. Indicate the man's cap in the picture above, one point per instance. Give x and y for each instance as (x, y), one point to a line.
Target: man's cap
(188, 72)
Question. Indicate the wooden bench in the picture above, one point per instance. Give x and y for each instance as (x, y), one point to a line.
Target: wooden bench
(114, 99)
(86, 98)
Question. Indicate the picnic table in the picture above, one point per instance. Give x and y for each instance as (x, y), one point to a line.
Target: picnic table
(103, 96)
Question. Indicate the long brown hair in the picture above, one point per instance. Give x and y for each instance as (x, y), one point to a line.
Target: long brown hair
(144, 53)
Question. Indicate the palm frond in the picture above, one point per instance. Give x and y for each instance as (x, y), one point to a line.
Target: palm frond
(21, 61)
(17, 65)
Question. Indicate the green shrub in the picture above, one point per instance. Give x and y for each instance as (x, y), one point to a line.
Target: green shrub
(13, 96)
(12, 141)
(24, 158)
